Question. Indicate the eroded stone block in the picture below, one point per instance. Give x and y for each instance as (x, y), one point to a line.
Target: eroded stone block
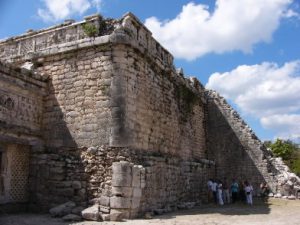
(91, 213)
(120, 202)
(122, 191)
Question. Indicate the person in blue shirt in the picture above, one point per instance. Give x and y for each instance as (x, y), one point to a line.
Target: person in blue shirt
(234, 190)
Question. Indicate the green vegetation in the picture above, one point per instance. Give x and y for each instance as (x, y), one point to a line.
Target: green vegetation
(186, 99)
(89, 29)
(289, 151)
(105, 89)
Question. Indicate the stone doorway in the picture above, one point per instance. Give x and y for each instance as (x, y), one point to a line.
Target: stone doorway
(14, 171)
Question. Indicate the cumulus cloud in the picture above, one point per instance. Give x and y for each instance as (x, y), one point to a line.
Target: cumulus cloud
(266, 91)
(286, 125)
(56, 10)
(233, 25)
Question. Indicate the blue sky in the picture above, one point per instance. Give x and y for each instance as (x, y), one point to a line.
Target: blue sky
(248, 50)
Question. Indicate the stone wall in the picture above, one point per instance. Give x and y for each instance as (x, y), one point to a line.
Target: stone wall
(125, 181)
(21, 108)
(118, 126)
(238, 152)
(164, 111)
(77, 108)
(21, 99)
(36, 41)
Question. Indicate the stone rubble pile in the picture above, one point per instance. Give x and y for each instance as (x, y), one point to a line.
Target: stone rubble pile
(283, 183)
(288, 183)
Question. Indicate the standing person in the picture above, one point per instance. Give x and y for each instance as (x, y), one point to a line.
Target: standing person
(220, 193)
(226, 196)
(214, 190)
(264, 190)
(209, 190)
(242, 192)
(248, 191)
(234, 190)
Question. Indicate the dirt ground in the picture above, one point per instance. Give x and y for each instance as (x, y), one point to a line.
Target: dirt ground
(273, 212)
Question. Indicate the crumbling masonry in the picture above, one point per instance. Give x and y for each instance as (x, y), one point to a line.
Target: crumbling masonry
(102, 117)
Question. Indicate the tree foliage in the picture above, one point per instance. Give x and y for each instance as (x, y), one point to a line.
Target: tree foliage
(283, 149)
(288, 151)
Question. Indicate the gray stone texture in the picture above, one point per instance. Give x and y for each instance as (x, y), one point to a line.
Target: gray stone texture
(91, 213)
(109, 122)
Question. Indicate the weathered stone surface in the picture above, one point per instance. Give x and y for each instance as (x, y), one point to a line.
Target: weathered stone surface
(105, 217)
(137, 192)
(122, 191)
(105, 93)
(72, 217)
(104, 209)
(291, 197)
(148, 215)
(120, 202)
(91, 213)
(76, 185)
(118, 215)
(77, 210)
(62, 210)
(278, 195)
(104, 201)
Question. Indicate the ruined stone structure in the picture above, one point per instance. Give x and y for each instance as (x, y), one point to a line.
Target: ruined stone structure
(102, 117)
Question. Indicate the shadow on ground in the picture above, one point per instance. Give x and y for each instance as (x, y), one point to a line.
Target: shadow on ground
(239, 208)
(273, 211)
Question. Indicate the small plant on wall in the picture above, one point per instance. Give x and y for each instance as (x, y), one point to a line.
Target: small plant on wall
(89, 29)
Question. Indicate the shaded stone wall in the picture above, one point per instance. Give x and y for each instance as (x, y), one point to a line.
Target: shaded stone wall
(21, 100)
(237, 151)
(77, 108)
(21, 107)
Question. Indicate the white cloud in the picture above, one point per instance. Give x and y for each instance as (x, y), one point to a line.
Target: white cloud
(234, 25)
(56, 10)
(266, 91)
(286, 125)
(97, 4)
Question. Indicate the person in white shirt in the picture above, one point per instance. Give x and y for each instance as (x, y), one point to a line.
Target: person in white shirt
(220, 193)
(214, 191)
(248, 191)
(209, 190)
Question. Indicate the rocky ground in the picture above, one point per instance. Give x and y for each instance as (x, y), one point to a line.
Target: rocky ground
(273, 212)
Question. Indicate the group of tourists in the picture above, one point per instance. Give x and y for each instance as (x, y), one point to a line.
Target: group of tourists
(221, 192)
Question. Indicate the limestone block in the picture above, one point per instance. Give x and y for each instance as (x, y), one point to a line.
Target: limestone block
(91, 213)
(68, 192)
(136, 176)
(134, 213)
(81, 192)
(92, 150)
(72, 217)
(137, 192)
(121, 174)
(120, 202)
(104, 200)
(292, 197)
(122, 191)
(118, 215)
(135, 202)
(143, 183)
(77, 210)
(121, 167)
(105, 217)
(104, 209)
(76, 185)
(62, 210)
(278, 195)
